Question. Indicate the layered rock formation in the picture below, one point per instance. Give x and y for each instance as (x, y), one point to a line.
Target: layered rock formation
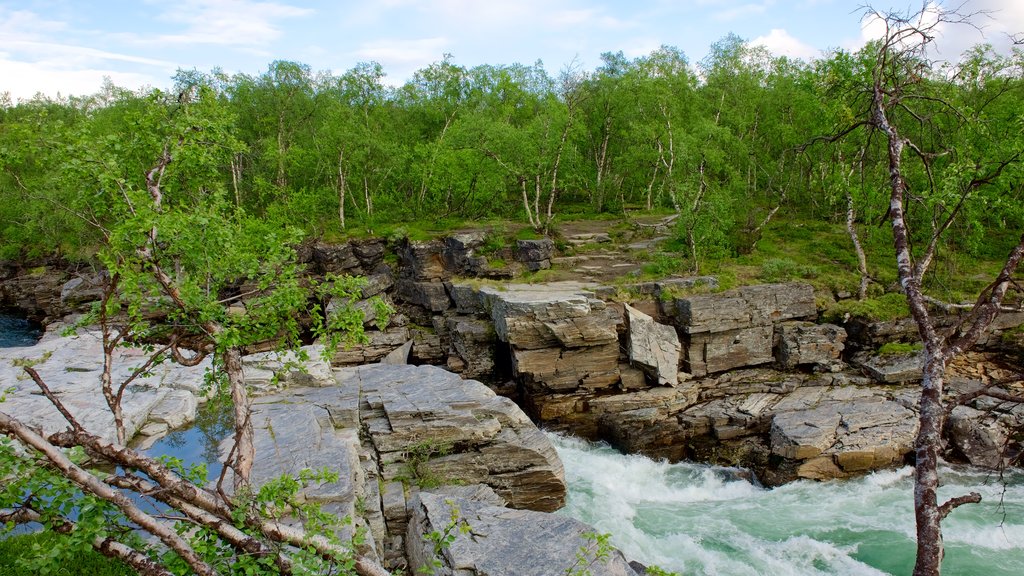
(671, 368)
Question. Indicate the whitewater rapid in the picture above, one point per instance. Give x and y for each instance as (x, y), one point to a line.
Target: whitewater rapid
(697, 519)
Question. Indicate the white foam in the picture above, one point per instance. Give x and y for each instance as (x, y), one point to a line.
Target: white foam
(697, 519)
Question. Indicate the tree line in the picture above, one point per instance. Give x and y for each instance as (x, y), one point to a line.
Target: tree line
(724, 142)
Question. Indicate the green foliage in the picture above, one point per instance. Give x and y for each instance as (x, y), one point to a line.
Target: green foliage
(597, 548)
(416, 458)
(20, 553)
(441, 540)
(899, 348)
(884, 308)
(782, 269)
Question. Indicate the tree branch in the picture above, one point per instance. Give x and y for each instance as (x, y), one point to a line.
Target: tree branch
(93, 485)
(954, 503)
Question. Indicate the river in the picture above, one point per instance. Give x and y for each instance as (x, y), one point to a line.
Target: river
(17, 331)
(696, 519)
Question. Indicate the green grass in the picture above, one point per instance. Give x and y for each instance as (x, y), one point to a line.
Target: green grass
(884, 308)
(17, 551)
(900, 348)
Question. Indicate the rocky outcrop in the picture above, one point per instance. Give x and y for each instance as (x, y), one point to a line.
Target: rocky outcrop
(394, 431)
(535, 254)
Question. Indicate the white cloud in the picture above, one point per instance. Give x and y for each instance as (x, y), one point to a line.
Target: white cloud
(227, 22)
(743, 10)
(991, 21)
(403, 57)
(782, 43)
(33, 78)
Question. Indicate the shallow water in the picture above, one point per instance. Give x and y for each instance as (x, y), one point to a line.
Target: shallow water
(696, 519)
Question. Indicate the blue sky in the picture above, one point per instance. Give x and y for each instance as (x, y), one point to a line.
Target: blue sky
(69, 46)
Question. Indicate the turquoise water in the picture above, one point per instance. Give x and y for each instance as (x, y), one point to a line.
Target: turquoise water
(696, 519)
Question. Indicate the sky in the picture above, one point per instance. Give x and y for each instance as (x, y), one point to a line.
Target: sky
(68, 47)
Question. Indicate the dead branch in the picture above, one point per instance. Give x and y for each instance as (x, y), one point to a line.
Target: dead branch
(954, 503)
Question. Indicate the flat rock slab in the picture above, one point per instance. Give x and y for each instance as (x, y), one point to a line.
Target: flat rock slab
(744, 307)
(71, 368)
(497, 541)
(555, 314)
(896, 369)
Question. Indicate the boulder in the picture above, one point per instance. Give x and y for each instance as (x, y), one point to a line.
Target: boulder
(759, 305)
(430, 295)
(473, 340)
(556, 314)
(653, 347)
(428, 425)
(986, 437)
(379, 344)
(493, 540)
(840, 438)
(458, 254)
(334, 258)
(806, 343)
(891, 369)
(535, 254)
(710, 352)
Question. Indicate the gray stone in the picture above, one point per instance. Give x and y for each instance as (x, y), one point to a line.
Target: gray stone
(458, 254)
(421, 261)
(802, 343)
(370, 251)
(430, 295)
(334, 258)
(380, 344)
(534, 250)
(71, 368)
(556, 314)
(399, 355)
(711, 352)
(458, 430)
(497, 541)
(555, 369)
(175, 409)
(653, 347)
(983, 436)
(474, 341)
(892, 369)
(840, 438)
(744, 307)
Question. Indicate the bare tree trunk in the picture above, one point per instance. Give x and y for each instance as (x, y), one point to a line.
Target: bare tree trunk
(244, 450)
(862, 260)
(236, 178)
(341, 188)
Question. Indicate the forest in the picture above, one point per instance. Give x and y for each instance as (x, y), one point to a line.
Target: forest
(726, 142)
